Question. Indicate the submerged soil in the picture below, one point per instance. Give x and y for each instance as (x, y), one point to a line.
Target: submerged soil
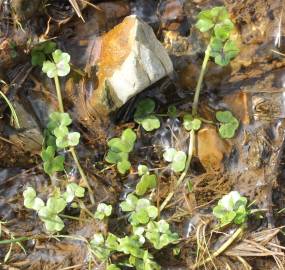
(252, 87)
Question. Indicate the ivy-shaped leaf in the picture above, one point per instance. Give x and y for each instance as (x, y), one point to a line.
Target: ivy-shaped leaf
(229, 124)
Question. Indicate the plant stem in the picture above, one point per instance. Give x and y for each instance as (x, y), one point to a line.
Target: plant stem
(184, 173)
(72, 150)
(84, 178)
(221, 249)
(200, 80)
(14, 240)
(192, 132)
(58, 93)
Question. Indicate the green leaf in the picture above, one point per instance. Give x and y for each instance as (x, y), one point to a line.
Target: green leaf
(179, 161)
(103, 210)
(56, 205)
(224, 116)
(150, 123)
(58, 119)
(144, 115)
(129, 204)
(152, 211)
(129, 136)
(123, 166)
(114, 157)
(50, 69)
(146, 182)
(73, 138)
(61, 131)
(142, 169)
(112, 242)
(131, 245)
(223, 53)
(118, 145)
(172, 111)
(169, 154)
(48, 47)
(144, 107)
(48, 153)
(31, 201)
(54, 165)
(38, 58)
(229, 124)
(223, 29)
(190, 123)
(73, 190)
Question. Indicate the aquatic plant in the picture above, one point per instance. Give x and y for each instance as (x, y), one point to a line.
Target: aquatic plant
(232, 207)
(119, 149)
(56, 203)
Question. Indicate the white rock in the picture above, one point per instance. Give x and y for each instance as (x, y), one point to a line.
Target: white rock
(131, 59)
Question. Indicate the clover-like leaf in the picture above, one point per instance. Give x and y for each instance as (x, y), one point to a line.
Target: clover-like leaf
(38, 58)
(73, 190)
(123, 166)
(231, 208)
(103, 210)
(172, 111)
(159, 234)
(129, 136)
(31, 201)
(50, 69)
(169, 154)
(142, 169)
(54, 165)
(223, 53)
(73, 138)
(177, 159)
(207, 19)
(148, 181)
(56, 205)
(114, 157)
(190, 123)
(144, 115)
(223, 29)
(53, 222)
(229, 124)
(58, 119)
(131, 245)
(129, 204)
(40, 51)
(150, 123)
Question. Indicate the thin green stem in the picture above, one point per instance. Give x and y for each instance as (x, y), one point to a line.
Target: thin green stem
(184, 173)
(58, 93)
(200, 80)
(13, 112)
(72, 150)
(15, 240)
(84, 178)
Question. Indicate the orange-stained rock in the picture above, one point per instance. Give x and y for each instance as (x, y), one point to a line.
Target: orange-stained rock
(130, 59)
(211, 149)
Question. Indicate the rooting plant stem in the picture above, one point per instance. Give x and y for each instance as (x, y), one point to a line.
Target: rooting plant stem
(192, 132)
(15, 240)
(222, 248)
(200, 80)
(184, 173)
(72, 150)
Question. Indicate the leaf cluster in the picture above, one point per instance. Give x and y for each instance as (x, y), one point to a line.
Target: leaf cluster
(231, 208)
(141, 210)
(119, 149)
(41, 51)
(217, 20)
(103, 211)
(49, 212)
(57, 137)
(59, 66)
(147, 181)
(191, 123)
(228, 124)
(144, 115)
(176, 158)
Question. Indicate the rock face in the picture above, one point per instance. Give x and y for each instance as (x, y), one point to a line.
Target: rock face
(131, 59)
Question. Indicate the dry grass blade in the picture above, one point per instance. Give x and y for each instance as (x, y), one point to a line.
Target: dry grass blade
(76, 8)
(260, 244)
